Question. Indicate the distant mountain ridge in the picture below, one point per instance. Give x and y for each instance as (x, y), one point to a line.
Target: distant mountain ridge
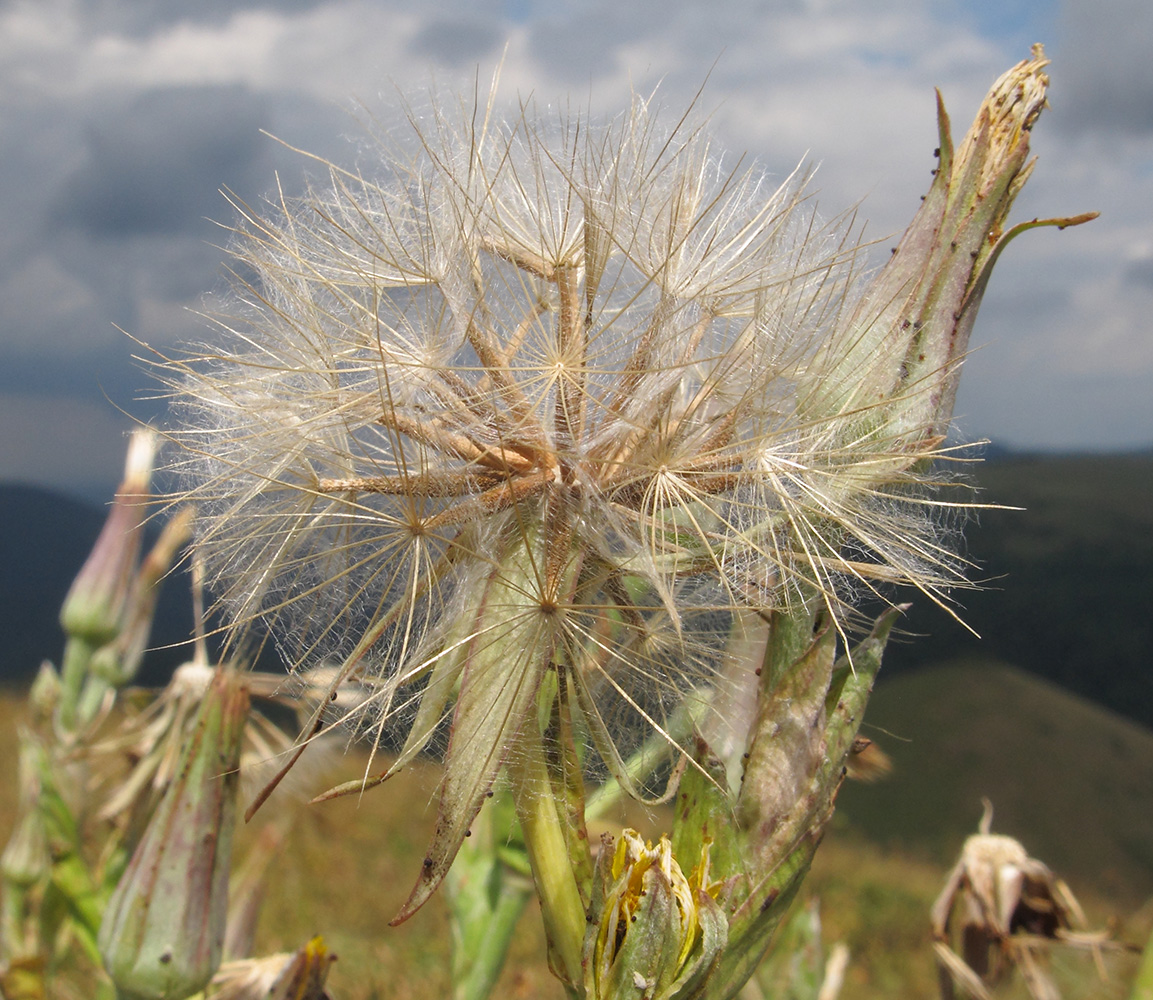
(1070, 579)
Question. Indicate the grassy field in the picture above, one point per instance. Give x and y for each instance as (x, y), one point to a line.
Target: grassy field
(1070, 780)
(1068, 579)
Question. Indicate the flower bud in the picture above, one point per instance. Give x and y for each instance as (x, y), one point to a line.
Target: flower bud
(118, 661)
(44, 695)
(163, 931)
(94, 607)
(901, 348)
(657, 933)
(26, 860)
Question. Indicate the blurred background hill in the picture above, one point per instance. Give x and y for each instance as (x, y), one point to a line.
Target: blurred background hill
(44, 539)
(1049, 714)
(1068, 580)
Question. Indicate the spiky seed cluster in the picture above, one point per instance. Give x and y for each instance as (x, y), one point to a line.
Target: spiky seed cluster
(528, 403)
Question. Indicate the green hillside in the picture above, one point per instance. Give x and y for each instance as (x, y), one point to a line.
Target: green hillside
(44, 539)
(1068, 580)
(1072, 781)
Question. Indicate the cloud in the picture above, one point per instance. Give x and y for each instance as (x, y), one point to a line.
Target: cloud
(87, 441)
(1106, 80)
(47, 302)
(1072, 412)
(154, 164)
(457, 41)
(141, 18)
(1140, 273)
(122, 118)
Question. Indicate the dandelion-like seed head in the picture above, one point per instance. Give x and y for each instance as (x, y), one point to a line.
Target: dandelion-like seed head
(530, 402)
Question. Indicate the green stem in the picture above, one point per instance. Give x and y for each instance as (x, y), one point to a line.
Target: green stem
(92, 695)
(488, 888)
(547, 845)
(77, 655)
(13, 912)
(479, 955)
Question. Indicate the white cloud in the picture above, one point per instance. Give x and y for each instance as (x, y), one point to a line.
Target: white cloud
(847, 85)
(1109, 83)
(240, 51)
(60, 441)
(44, 308)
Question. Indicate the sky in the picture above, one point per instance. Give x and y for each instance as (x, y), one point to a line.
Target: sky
(121, 120)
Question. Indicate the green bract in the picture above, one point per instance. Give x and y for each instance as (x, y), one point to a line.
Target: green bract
(163, 930)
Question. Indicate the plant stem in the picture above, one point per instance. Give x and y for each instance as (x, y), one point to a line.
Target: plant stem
(547, 846)
(479, 955)
(488, 888)
(77, 655)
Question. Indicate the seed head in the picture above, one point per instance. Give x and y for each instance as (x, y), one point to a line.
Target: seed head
(524, 401)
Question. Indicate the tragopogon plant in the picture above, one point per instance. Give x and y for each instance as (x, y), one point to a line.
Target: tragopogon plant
(537, 425)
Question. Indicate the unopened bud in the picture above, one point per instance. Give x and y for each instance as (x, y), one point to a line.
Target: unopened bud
(902, 347)
(163, 931)
(44, 695)
(118, 661)
(94, 608)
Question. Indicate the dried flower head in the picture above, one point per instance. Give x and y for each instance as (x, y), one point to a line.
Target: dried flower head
(1011, 911)
(298, 975)
(151, 737)
(536, 401)
(657, 931)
